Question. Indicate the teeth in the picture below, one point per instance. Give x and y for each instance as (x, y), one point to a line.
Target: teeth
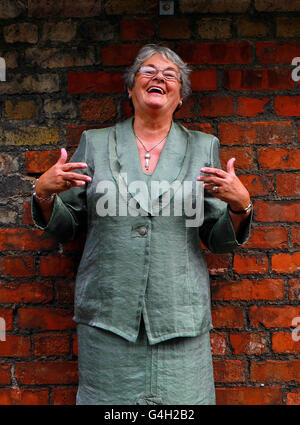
(155, 90)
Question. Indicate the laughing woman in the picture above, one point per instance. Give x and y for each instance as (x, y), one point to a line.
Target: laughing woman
(142, 299)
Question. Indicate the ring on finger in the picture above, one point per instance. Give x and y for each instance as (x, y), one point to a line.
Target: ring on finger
(68, 183)
(215, 189)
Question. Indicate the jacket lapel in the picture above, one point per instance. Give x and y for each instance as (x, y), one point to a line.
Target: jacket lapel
(127, 171)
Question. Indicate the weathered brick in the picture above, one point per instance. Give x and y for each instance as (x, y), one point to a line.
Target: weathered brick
(229, 370)
(286, 263)
(5, 374)
(7, 315)
(19, 239)
(227, 317)
(53, 265)
(287, 105)
(279, 316)
(37, 83)
(8, 164)
(51, 344)
(26, 292)
(133, 7)
(64, 8)
(218, 343)
(60, 58)
(278, 158)
(187, 110)
(213, 6)
(268, 395)
(213, 106)
(248, 343)
(174, 28)
(45, 318)
(248, 289)
(214, 28)
(295, 233)
(272, 211)
(293, 397)
(252, 27)
(21, 33)
(23, 109)
(46, 372)
(268, 237)
(270, 52)
(203, 79)
(65, 292)
(15, 346)
(257, 185)
(64, 396)
(61, 108)
(217, 263)
(95, 82)
(250, 263)
(216, 53)
(136, 29)
(31, 136)
(257, 79)
(241, 133)
(275, 371)
(18, 266)
(102, 109)
(251, 106)
(32, 397)
(11, 8)
(244, 158)
(277, 5)
(294, 289)
(63, 31)
(40, 161)
(288, 27)
(282, 342)
(288, 185)
(119, 54)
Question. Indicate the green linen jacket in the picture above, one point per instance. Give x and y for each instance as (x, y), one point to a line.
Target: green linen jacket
(145, 260)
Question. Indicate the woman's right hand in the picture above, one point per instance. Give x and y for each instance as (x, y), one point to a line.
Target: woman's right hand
(60, 177)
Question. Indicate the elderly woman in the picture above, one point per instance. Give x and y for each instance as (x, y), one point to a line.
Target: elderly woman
(147, 190)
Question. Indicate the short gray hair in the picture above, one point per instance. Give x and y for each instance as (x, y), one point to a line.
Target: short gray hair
(151, 49)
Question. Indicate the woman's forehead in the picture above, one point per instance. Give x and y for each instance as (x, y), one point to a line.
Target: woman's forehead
(160, 61)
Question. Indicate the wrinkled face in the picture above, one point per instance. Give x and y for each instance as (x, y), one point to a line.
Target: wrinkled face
(160, 92)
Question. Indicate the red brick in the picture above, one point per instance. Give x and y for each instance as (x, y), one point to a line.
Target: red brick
(229, 370)
(20, 239)
(15, 346)
(26, 292)
(65, 292)
(74, 132)
(51, 345)
(273, 316)
(65, 8)
(7, 315)
(293, 398)
(275, 371)
(216, 53)
(45, 318)
(136, 29)
(278, 158)
(227, 317)
(249, 396)
(64, 396)
(244, 159)
(248, 289)
(40, 161)
(52, 265)
(251, 106)
(286, 262)
(213, 106)
(22, 396)
(44, 373)
(268, 237)
(95, 82)
(294, 289)
(270, 52)
(18, 266)
(258, 185)
(295, 233)
(171, 28)
(271, 211)
(251, 133)
(119, 54)
(248, 343)
(203, 79)
(288, 184)
(217, 263)
(187, 109)
(218, 343)
(5, 374)
(102, 109)
(250, 263)
(257, 79)
(27, 218)
(282, 342)
(204, 127)
(287, 106)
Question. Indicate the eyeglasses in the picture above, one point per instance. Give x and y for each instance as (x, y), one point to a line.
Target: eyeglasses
(151, 71)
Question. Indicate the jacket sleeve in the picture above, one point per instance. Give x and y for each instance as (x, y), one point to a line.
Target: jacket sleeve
(216, 231)
(70, 207)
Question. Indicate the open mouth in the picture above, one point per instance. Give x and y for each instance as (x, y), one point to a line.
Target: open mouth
(156, 89)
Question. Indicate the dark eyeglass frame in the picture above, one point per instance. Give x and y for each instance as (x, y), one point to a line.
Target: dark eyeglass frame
(156, 71)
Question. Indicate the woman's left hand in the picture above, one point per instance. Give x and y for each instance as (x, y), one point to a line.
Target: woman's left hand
(226, 186)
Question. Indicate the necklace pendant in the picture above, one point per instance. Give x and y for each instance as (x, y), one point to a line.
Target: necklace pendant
(147, 157)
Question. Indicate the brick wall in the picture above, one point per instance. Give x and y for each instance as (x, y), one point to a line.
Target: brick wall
(64, 61)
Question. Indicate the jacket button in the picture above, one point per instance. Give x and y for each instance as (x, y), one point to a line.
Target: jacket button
(143, 230)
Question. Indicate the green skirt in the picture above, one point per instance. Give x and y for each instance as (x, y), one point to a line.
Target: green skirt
(114, 371)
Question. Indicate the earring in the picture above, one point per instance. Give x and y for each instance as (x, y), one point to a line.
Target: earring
(179, 104)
